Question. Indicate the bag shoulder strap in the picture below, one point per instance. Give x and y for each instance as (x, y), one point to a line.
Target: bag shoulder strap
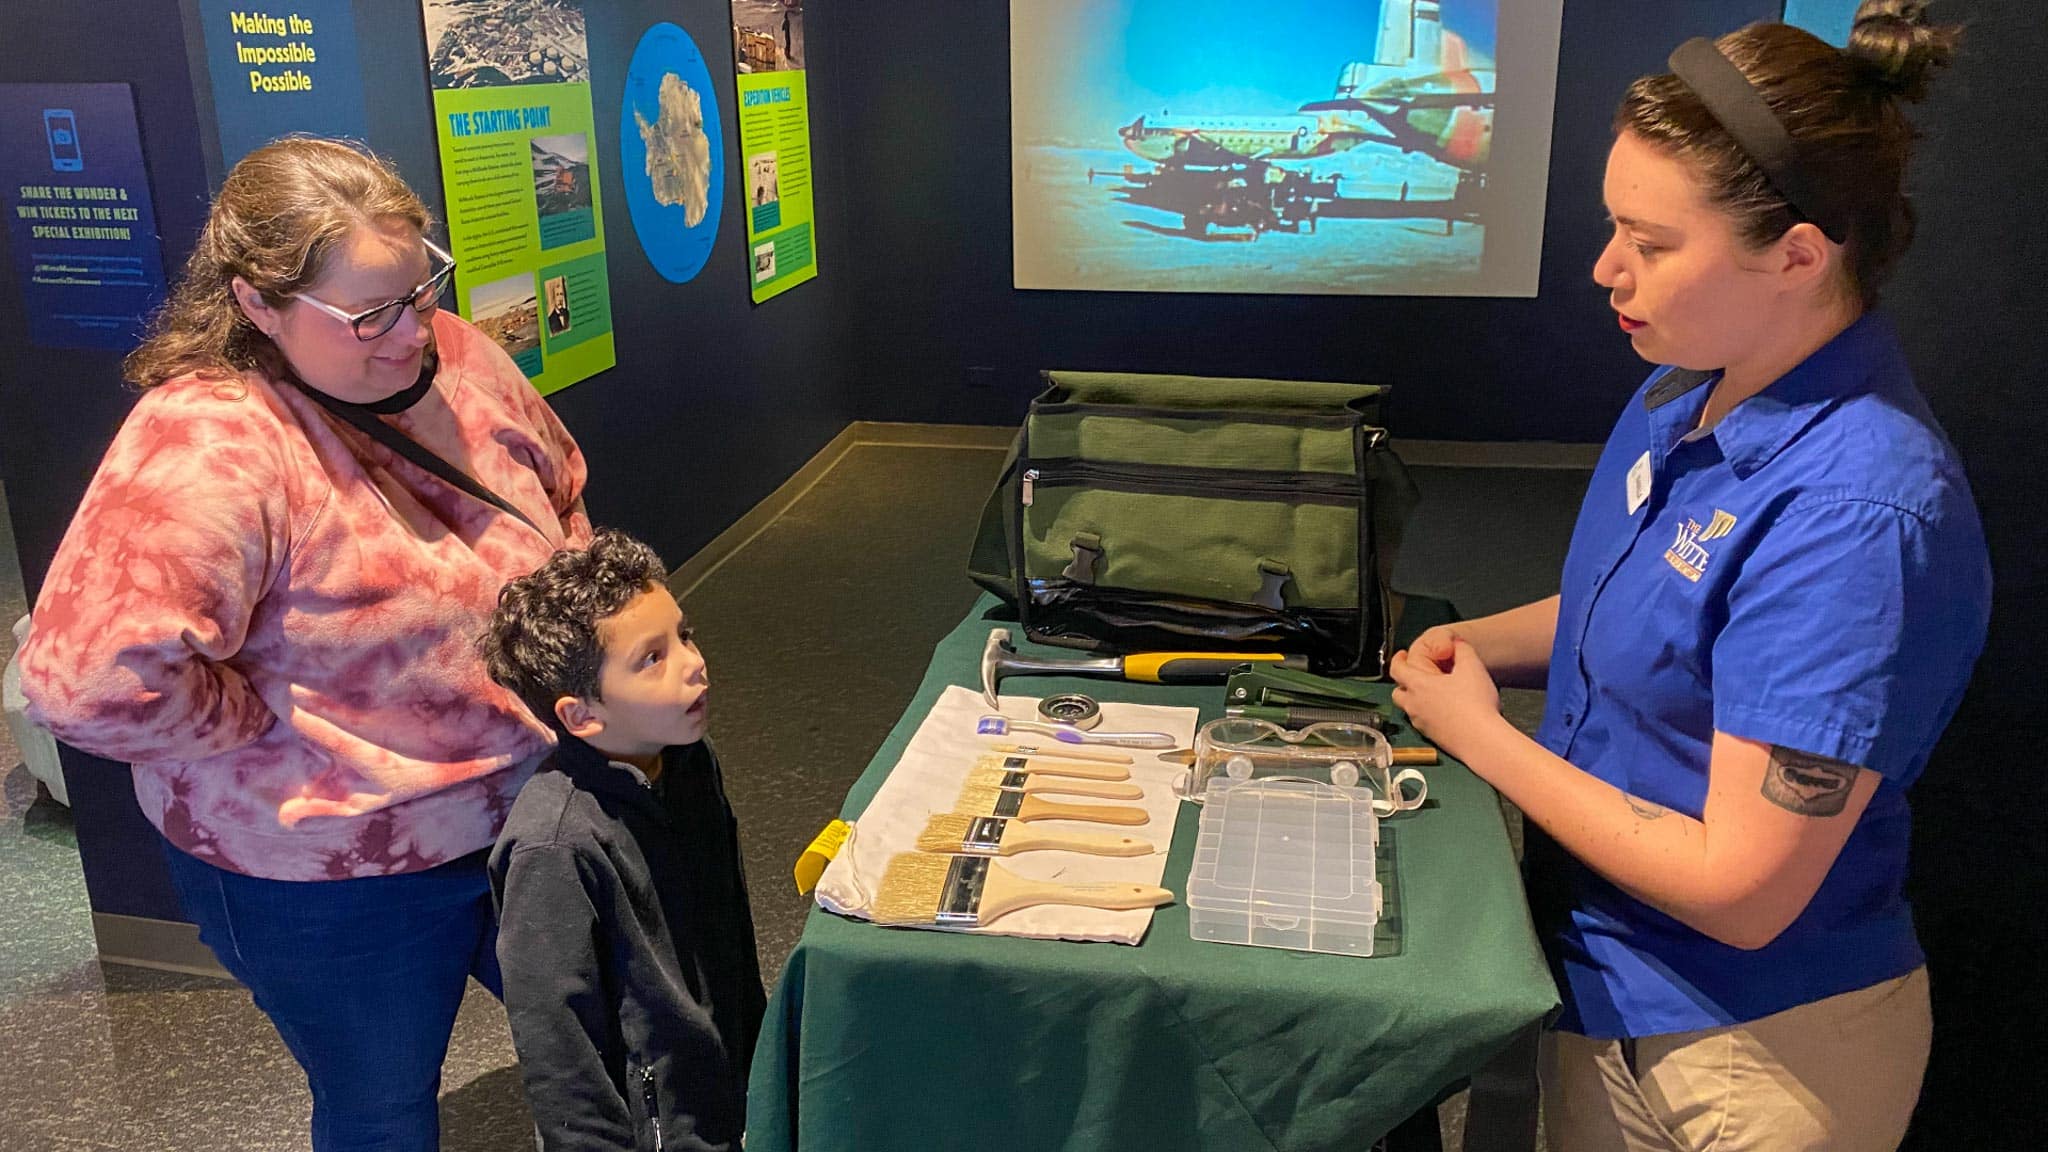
(419, 454)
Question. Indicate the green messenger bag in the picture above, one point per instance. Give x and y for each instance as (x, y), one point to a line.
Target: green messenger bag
(1161, 513)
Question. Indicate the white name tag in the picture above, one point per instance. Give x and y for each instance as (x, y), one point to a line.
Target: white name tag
(1638, 483)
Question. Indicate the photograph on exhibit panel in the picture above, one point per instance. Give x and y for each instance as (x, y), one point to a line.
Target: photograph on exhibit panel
(493, 43)
(1296, 146)
(768, 35)
(509, 313)
(561, 173)
(556, 289)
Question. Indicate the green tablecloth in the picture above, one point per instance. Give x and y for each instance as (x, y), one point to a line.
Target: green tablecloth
(889, 1039)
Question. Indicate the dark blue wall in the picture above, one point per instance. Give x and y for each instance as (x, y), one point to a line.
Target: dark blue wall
(1970, 300)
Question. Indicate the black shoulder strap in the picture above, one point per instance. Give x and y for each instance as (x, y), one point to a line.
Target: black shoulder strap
(412, 450)
(1672, 385)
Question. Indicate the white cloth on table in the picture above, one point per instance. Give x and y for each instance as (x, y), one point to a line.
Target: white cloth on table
(926, 781)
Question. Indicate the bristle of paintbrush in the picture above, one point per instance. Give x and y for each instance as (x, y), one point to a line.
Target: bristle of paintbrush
(945, 832)
(979, 798)
(910, 889)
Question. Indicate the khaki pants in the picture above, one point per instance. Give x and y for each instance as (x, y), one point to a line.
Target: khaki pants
(1840, 1074)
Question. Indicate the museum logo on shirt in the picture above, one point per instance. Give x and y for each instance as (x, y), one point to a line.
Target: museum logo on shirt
(1688, 554)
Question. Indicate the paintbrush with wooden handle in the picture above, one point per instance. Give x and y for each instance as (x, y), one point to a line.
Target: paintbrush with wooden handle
(1099, 755)
(1047, 767)
(954, 834)
(971, 891)
(1017, 806)
(1036, 782)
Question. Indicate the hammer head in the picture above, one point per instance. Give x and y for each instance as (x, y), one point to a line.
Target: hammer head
(992, 654)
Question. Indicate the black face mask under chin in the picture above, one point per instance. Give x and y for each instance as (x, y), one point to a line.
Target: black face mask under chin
(408, 396)
(398, 401)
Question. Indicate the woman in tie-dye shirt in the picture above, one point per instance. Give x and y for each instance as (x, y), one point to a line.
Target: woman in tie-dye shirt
(273, 618)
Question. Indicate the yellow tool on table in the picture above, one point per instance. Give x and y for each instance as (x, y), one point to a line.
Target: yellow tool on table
(999, 659)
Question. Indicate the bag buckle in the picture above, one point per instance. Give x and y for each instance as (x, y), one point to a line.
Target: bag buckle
(1273, 578)
(1087, 559)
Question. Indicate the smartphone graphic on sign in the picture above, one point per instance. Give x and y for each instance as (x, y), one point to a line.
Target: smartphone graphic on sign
(62, 128)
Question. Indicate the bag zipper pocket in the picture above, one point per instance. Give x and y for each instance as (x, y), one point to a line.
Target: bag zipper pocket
(1213, 483)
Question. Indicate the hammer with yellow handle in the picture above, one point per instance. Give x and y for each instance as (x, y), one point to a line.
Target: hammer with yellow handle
(999, 658)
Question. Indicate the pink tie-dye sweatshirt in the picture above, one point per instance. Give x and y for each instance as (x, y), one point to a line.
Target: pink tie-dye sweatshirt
(274, 618)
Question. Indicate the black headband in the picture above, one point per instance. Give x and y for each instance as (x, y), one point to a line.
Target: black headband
(1738, 107)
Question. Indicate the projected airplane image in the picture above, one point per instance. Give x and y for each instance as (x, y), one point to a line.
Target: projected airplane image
(1244, 176)
(1292, 146)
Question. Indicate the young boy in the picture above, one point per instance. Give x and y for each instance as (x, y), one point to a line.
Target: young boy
(624, 932)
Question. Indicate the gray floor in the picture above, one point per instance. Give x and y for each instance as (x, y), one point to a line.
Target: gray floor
(816, 634)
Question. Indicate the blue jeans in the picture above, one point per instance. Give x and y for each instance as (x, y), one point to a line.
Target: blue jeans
(362, 979)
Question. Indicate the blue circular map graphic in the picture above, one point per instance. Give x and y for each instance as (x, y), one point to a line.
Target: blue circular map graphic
(672, 152)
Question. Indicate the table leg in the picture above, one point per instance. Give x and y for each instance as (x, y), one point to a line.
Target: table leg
(1502, 1109)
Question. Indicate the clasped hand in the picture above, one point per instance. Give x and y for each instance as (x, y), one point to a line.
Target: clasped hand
(1444, 687)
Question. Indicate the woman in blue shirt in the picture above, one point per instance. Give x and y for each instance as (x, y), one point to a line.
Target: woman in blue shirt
(1775, 592)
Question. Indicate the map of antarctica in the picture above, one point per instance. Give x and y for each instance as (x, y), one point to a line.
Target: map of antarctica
(672, 152)
(678, 151)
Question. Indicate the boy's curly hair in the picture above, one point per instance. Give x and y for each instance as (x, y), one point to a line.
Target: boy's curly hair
(543, 640)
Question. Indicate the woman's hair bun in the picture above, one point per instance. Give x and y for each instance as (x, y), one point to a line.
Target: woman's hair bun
(1898, 49)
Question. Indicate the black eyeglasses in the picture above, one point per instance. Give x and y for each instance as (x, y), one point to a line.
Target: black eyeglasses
(371, 323)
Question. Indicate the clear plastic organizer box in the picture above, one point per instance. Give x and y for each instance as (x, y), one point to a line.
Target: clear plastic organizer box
(1286, 864)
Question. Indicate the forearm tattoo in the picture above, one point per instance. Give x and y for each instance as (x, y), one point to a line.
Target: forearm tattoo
(1644, 808)
(1807, 784)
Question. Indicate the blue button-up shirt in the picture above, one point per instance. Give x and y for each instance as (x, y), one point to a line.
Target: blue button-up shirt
(1809, 573)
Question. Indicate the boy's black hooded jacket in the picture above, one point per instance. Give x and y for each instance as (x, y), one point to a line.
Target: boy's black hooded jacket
(628, 952)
